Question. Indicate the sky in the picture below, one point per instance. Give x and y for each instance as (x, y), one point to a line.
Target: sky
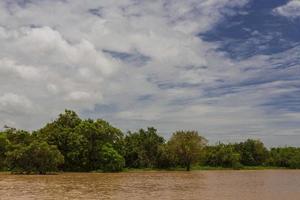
(229, 69)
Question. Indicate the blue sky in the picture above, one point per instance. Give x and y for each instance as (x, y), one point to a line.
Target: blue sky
(227, 68)
(256, 30)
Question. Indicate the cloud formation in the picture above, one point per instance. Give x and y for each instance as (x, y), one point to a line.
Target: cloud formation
(137, 64)
(291, 9)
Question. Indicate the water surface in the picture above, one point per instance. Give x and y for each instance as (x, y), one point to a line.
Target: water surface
(202, 185)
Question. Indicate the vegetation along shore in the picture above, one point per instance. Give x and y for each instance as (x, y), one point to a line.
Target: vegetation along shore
(71, 144)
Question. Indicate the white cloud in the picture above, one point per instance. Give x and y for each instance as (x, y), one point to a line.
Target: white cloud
(11, 103)
(9, 67)
(291, 9)
(55, 55)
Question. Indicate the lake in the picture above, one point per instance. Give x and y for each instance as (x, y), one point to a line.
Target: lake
(200, 185)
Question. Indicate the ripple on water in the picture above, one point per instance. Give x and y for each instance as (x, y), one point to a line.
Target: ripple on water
(204, 185)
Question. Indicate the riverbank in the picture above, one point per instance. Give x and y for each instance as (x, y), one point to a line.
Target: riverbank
(194, 168)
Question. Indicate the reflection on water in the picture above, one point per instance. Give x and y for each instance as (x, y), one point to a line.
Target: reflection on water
(205, 185)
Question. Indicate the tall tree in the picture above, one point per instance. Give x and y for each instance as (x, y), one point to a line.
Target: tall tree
(96, 134)
(61, 133)
(187, 147)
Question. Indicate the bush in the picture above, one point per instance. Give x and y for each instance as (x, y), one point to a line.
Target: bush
(38, 157)
(165, 158)
(294, 162)
(222, 155)
(285, 157)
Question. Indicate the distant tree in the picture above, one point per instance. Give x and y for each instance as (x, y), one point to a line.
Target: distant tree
(95, 135)
(80, 141)
(221, 155)
(142, 148)
(34, 158)
(72, 144)
(61, 133)
(288, 157)
(187, 147)
(111, 160)
(253, 152)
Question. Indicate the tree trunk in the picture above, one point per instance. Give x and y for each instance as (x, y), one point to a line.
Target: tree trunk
(188, 166)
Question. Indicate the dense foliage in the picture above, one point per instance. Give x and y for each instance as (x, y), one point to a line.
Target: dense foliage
(72, 144)
(222, 155)
(37, 157)
(142, 148)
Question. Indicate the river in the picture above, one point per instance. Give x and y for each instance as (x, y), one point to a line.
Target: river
(196, 185)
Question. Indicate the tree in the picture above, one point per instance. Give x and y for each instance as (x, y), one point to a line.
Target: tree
(221, 155)
(36, 157)
(285, 157)
(61, 133)
(253, 152)
(112, 161)
(142, 148)
(95, 135)
(80, 141)
(187, 147)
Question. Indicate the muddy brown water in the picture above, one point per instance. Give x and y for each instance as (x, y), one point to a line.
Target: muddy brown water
(198, 185)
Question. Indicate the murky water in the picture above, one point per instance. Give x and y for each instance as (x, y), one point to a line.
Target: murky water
(204, 185)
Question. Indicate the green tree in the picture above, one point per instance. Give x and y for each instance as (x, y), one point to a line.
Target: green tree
(253, 152)
(142, 148)
(96, 134)
(111, 160)
(34, 158)
(61, 133)
(285, 157)
(221, 155)
(187, 147)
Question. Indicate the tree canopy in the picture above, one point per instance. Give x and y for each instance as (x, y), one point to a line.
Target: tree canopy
(70, 143)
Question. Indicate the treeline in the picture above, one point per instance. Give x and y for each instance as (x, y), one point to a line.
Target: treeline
(73, 144)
